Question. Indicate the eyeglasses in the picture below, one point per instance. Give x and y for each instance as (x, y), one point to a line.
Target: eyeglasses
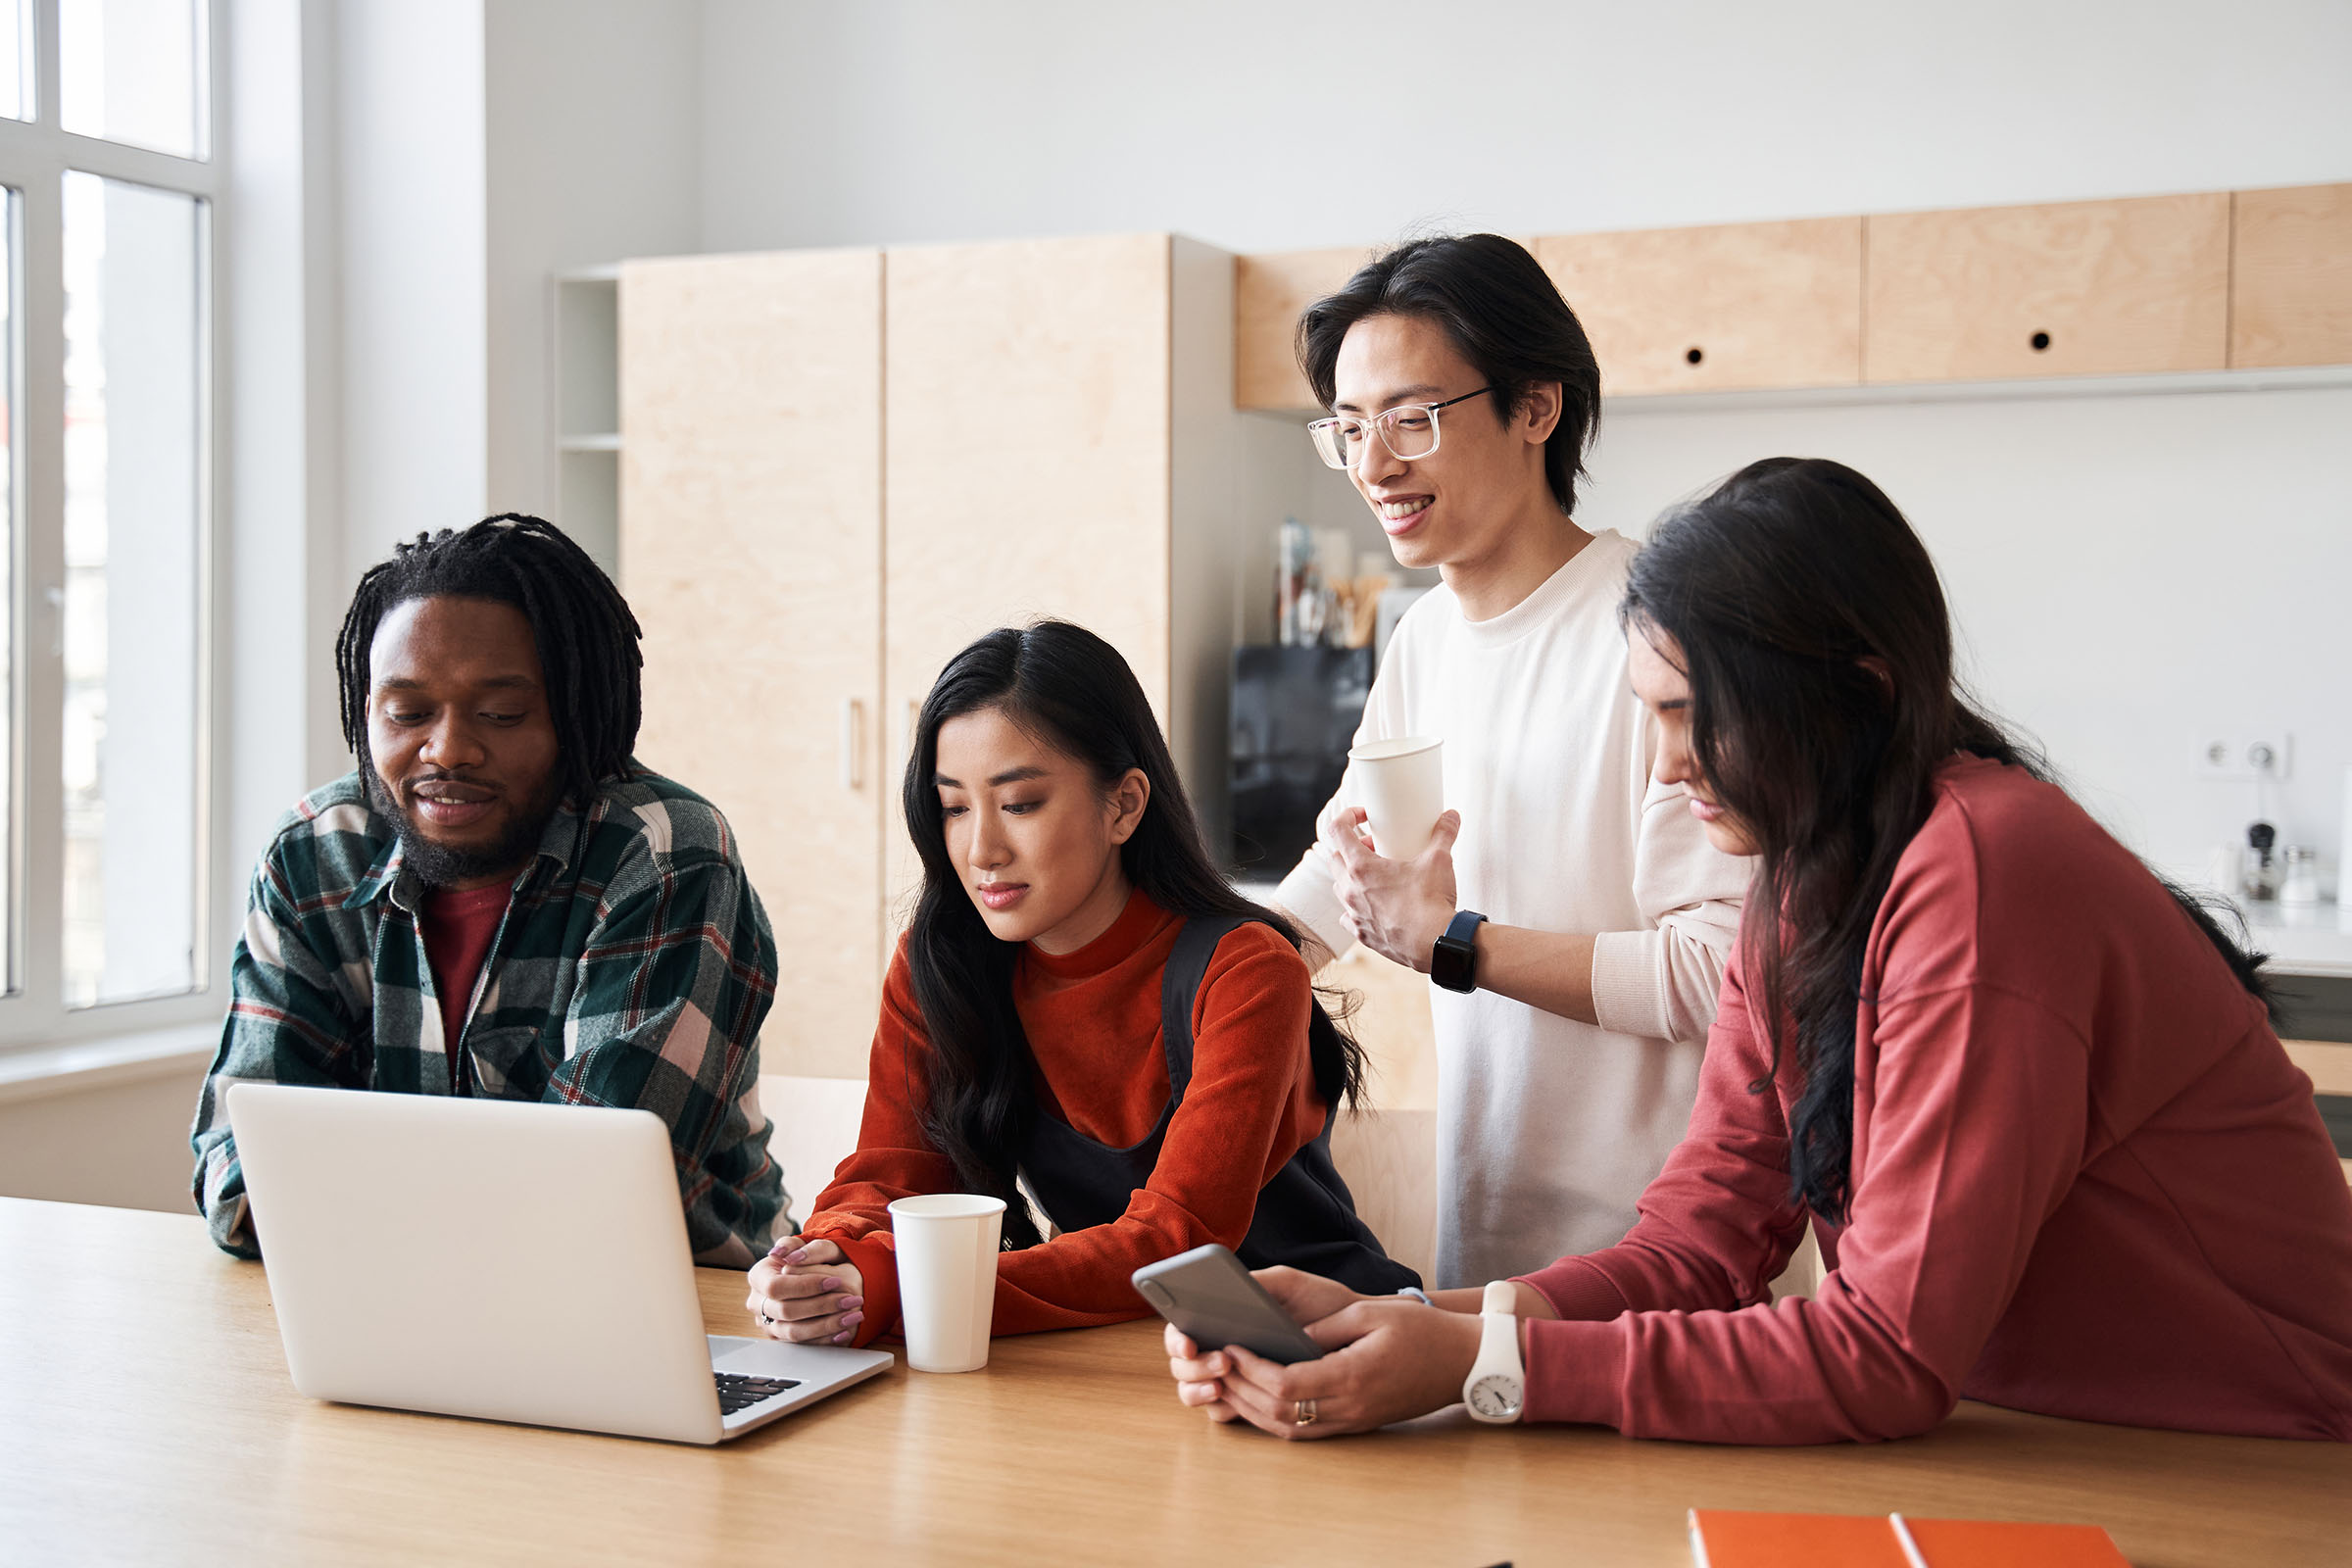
(1410, 430)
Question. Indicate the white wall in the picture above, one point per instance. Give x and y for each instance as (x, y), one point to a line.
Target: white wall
(2129, 573)
(1260, 126)
(121, 1140)
(284, 591)
(593, 144)
(482, 146)
(411, 258)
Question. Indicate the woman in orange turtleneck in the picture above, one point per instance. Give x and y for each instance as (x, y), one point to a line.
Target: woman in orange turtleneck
(1083, 1004)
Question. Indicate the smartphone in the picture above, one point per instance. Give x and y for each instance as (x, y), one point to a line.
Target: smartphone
(1208, 1295)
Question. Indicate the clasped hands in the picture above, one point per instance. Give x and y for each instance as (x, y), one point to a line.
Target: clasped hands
(808, 1292)
(1386, 1358)
(1399, 909)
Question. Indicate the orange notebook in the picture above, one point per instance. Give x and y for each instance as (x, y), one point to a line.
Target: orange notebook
(1724, 1539)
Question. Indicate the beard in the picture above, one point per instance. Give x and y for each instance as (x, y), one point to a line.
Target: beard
(440, 866)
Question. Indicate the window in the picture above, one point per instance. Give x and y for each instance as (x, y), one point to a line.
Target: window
(107, 273)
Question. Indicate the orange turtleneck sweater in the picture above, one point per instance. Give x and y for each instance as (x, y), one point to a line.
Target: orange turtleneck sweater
(1093, 1020)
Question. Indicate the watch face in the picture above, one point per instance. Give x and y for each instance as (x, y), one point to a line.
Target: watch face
(1449, 965)
(1495, 1397)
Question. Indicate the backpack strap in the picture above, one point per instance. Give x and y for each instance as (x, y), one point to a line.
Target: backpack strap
(1180, 984)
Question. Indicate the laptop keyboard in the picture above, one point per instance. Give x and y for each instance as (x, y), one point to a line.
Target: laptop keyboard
(737, 1392)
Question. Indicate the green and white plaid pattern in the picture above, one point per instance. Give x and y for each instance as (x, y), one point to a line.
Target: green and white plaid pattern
(632, 969)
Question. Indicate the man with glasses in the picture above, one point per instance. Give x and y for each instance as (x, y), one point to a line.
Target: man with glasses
(1569, 909)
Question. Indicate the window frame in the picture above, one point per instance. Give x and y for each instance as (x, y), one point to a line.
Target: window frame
(35, 155)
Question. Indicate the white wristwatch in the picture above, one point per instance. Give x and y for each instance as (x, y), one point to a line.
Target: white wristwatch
(1495, 1390)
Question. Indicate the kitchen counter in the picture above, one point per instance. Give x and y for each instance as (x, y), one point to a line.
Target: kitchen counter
(2302, 939)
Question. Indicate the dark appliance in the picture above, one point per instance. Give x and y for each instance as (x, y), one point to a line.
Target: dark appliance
(1294, 714)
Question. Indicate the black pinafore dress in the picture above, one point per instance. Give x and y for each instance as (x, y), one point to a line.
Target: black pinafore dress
(1305, 1217)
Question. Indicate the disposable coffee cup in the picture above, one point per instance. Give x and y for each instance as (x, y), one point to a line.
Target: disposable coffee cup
(946, 1246)
(1402, 786)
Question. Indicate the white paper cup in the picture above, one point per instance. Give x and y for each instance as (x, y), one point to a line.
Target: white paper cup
(946, 1246)
(1402, 786)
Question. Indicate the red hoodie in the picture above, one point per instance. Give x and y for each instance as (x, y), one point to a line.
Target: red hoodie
(2087, 1181)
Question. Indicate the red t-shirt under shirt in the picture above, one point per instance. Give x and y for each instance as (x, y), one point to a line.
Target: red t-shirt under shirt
(457, 929)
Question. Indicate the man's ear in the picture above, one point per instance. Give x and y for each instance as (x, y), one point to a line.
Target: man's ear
(1540, 408)
(1127, 797)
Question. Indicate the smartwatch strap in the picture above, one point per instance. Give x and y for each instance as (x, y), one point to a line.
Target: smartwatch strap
(1458, 945)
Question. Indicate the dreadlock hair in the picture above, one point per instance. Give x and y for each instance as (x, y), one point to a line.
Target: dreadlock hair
(586, 636)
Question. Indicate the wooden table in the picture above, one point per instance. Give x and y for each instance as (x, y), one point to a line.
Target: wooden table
(145, 1416)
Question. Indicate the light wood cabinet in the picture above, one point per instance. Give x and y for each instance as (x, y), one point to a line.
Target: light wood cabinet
(1388, 1160)
(1269, 294)
(750, 538)
(2207, 281)
(1722, 308)
(2078, 288)
(2328, 1063)
(1061, 444)
(1389, 1015)
(1028, 411)
(2290, 277)
(807, 549)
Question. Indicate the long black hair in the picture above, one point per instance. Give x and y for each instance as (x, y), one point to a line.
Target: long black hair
(1071, 689)
(1775, 586)
(586, 636)
(1501, 312)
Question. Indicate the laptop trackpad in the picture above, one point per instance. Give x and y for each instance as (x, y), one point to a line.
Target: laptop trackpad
(774, 1358)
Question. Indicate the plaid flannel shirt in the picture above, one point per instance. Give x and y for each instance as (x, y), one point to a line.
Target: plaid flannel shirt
(632, 969)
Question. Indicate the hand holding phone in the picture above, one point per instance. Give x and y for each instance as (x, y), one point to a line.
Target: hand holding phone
(1213, 1302)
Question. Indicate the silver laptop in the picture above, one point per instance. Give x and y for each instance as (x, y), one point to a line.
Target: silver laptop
(502, 1260)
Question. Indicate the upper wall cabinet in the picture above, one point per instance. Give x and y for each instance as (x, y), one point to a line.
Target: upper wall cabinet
(1269, 293)
(2144, 287)
(1721, 309)
(2078, 288)
(2291, 276)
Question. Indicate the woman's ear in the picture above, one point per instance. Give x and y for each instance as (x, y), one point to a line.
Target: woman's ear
(1880, 672)
(1127, 797)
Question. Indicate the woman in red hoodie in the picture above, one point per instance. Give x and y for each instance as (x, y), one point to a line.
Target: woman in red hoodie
(1082, 1006)
(2028, 1095)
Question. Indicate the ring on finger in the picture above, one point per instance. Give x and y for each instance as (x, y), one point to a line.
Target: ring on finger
(1302, 1412)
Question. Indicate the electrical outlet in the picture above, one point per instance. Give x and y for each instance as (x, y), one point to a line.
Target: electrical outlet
(2269, 753)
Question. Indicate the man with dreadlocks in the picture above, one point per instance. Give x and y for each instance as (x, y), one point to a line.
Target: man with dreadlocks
(499, 900)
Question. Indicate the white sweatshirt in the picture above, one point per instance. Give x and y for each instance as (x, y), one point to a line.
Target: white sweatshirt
(1547, 1128)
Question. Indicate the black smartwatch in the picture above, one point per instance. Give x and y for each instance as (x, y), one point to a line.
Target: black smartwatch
(1453, 962)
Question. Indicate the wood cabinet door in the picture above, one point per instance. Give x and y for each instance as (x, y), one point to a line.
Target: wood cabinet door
(1722, 308)
(2080, 288)
(750, 541)
(1269, 291)
(1028, 437)
(2290, 277)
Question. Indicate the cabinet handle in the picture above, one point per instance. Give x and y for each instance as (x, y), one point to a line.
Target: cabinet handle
(853, 774)
(914, 718)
